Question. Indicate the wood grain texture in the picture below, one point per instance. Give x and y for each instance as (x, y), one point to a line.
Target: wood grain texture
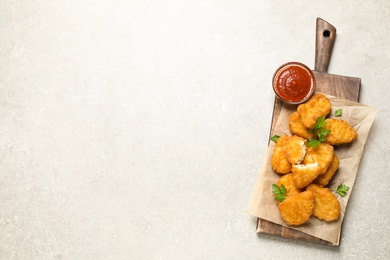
(336, 85)
(325, 38)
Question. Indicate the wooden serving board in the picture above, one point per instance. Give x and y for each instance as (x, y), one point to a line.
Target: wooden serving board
(339, 86)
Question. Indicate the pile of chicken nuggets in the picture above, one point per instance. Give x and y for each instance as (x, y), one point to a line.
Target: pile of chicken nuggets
(306, 170)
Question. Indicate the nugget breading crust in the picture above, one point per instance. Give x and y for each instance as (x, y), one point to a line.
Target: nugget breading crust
(324, 179)
(303, 175)
(323, 154)
(318, 105)
(326, 205)
(289, 184)
(279, 161)
(296, 149)
(341, 132)
(297, 209)
(297, 128)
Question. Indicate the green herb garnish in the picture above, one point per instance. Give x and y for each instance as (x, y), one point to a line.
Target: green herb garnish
(338, 112)
(275, 138)
(319, 132)
(313, 142)
(342, 190)
(320, 123)
(279, 191)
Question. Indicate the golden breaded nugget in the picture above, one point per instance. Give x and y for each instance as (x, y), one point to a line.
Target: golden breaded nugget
(297, 208)
(318, 105)
(303, 175)
(323, 154)
(288, 182)
(341, 132)
(326, 205)
(297, 128)
(296, 149)
(279, 161)
(325, 178)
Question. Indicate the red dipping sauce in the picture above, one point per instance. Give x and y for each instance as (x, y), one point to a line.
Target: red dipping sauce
(293, 83)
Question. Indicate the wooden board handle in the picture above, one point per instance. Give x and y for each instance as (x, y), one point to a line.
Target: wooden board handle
(325, 38)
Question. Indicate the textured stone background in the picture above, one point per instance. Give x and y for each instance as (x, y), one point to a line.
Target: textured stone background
(135, 129)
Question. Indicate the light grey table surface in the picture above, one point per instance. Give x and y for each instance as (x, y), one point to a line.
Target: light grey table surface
(136, 129)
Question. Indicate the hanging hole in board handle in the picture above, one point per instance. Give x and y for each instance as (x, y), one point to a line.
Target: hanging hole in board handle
(326, 33)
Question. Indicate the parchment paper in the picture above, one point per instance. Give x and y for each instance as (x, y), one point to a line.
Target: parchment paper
(263, 204)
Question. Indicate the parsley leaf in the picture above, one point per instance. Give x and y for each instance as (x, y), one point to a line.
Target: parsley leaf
(320, 123)
(279, 191)
(313, 142)
(342, 190)
(275, 138)
(338, 112)
(318, 132)
(323, 132)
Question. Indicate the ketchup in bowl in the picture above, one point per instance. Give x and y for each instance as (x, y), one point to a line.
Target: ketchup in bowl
(293, 83)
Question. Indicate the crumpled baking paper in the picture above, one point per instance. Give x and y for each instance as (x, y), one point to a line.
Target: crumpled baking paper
(263, 204)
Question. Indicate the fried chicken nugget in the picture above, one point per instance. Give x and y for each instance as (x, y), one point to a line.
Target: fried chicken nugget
(326, 205)
(296, 149)
(288, 182)
(324, 179)
(297, 208)
(303, 175)
(279, 161)
(341, 132)
(297, 128)
(318, 105)
(323, 154)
